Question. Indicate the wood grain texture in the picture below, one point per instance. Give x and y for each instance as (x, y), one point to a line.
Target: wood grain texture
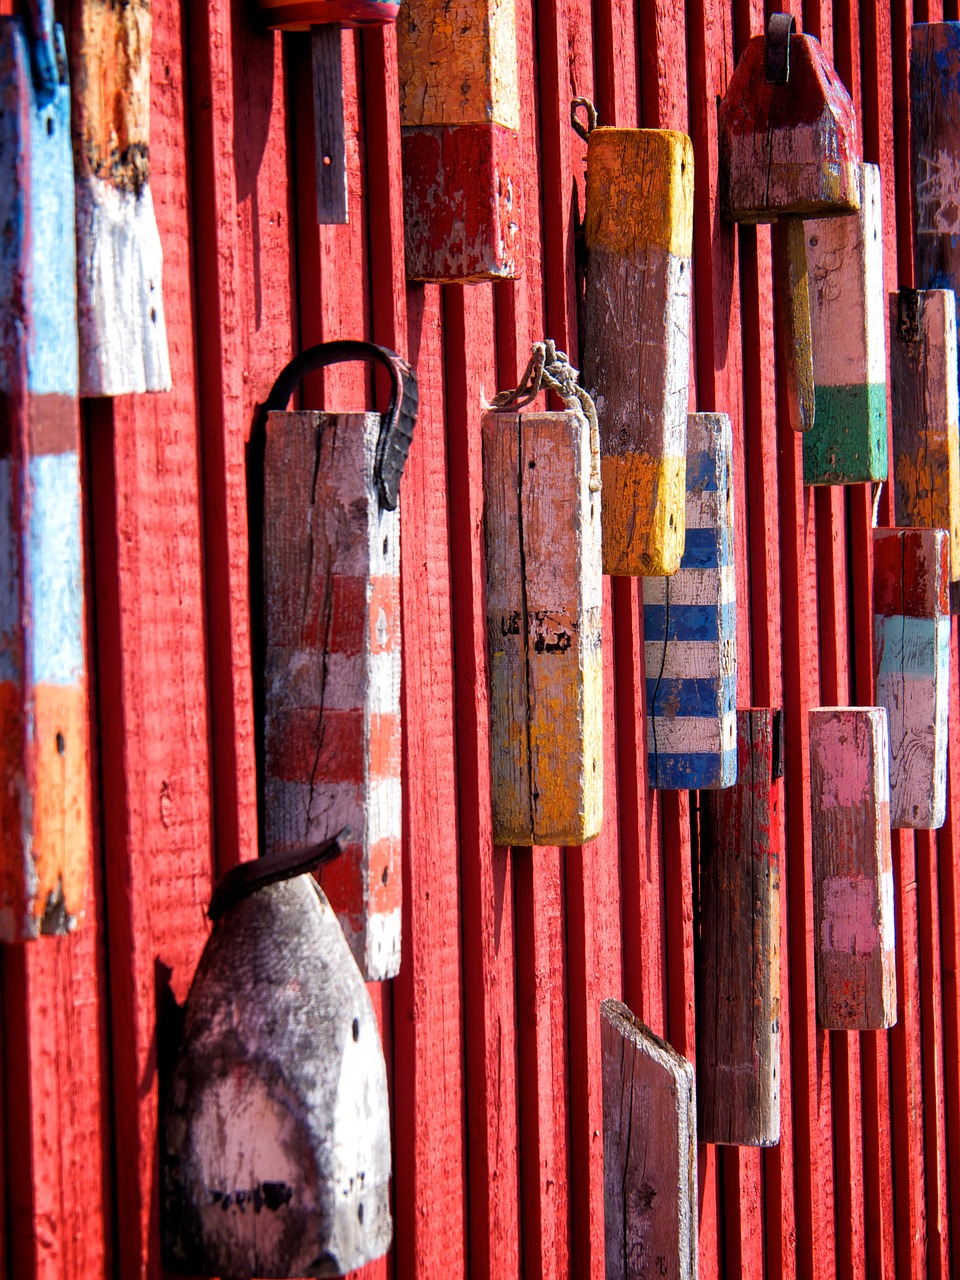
(791, 282)
(331, 144)
(789, 148)
(276, 1127)
(542, 538)
(926, 435)
(461, 190)
(738, 994)
(689, 629)
(123, 335)
(46, 842)
(935, 163)
(301, 15)
(853, 875)
(636, 339)
(649, 1152)
(848, 442)
(332, 671)
(911, 662)
(459, 109)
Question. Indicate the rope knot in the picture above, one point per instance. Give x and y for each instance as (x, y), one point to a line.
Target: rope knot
(552, 369)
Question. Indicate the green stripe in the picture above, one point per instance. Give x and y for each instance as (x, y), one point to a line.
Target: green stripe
(847, 443)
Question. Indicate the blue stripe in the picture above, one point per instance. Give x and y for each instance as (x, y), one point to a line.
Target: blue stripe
(691, 697)
(689, 621)
(55, 569)
(707, 548)
(905, 646)
(11, 660)
(52, 356)
(694, 771)
(701, 473)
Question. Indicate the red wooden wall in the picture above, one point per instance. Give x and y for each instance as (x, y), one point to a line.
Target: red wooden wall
(492, 1029)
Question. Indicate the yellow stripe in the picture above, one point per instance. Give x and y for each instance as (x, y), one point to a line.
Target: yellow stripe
(640, 191)
(644, 514)
(458, 64)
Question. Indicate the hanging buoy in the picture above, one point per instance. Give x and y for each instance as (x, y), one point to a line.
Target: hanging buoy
(276, 1131)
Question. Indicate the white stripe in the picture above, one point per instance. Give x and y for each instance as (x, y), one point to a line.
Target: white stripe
(693, 586)
(381, 952)
(334, 805)
(687, 734)
(873, 275)
(351, 683)
(690, 659)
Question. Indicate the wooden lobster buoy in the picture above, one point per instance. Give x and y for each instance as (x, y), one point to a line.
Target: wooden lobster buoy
(847, 443)
(935, 153)
(926, 413)
(690, 629)
(854, 935)
(636, 345)
(649, 1152)
(331, 553)
(541, 523)
(789, 149)
(45, 827)
(460, 122)
(123, 337)
(324, 20)
(911, 665)
(738, 966)
(276, 1129)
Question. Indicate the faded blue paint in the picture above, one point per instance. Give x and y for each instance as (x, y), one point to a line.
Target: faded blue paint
(693, 771)
(702, 473)
(52, 355)
(688, 621)
(909, 646)
(691, 696)
(55, 569)
(707, 549)
(14, 142)
(11, 641)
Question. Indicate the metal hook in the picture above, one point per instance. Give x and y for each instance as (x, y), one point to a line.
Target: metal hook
(779, 30)
(584, 130)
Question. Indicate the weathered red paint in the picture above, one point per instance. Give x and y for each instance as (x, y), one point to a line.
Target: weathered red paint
(461, 192)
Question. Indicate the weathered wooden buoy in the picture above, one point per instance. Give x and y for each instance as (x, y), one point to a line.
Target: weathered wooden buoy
(854, 936)
(926, 413)
(847, 443)
(541, 524)
(738, 966)
(45, 828)
(324, 19)
(460, 122)
(649, 1152)
(935, 153)
(911, 663)
(789, 149)
(636, 342)
(690, 628)
(276, 1129)
(123, 337)
(331, 559)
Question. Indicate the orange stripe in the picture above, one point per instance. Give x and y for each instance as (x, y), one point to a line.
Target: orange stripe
(384, 746)
(383, 861)
(384, 614)
(61, 829)
(11, 780)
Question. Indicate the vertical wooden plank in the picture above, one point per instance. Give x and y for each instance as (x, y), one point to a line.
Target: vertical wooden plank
(689, 627)
(738, 1005)
(926, 412)
(649, 1152)
(332, 669)
(912, 668)
(853, 876)
(543, 628)
(848, 441)
(123, 335)
(948, 877)
(638, 233)
(492, 1244)
(460, 116)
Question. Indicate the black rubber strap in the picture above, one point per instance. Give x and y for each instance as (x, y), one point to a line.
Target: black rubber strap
(248, 877)
(396, 424)
(779, 30)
